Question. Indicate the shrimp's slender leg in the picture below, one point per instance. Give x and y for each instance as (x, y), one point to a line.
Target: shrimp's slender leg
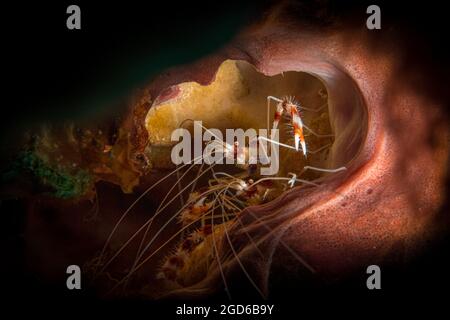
(216, 254)
(158, 210)
(126, 277)
(314, 110)
(316, 134)
(320, 149)
(305, 168)
(180, 187)
(146, 224)
(170, 220)
(156, 214)
(292, 180)
(108, 240)
(240, 222)
(239, 260)
(293, 253)
(195, 183)
(276, 120)
(206, 129)
(131, 272)
(285, 179)
(157, 250)
(234, 252)
(284, 244)
(242, 266)
(276, 142)
(234, 207)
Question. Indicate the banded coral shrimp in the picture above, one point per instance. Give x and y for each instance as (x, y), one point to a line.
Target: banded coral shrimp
(205, 213)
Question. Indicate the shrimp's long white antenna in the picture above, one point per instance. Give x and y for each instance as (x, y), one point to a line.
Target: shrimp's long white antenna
(131, 272)
(216, 254)
(151, 241)
(108, 240)
(276, 142)
(158, 210)
(240, 222)
(284, 244)
(316, 134)
(238, 259)
(320, 149)
(323, 170)
(292, 180)
(314, 110)
(206, 129)
(139, 198)
(179, 188)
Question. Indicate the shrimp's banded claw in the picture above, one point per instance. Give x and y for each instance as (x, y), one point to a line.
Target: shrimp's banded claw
(289, 106)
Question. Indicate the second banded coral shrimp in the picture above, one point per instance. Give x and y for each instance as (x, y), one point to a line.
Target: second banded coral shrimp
(212, 197)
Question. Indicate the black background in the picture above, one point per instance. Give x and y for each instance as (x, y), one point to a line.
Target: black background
(53, 74)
